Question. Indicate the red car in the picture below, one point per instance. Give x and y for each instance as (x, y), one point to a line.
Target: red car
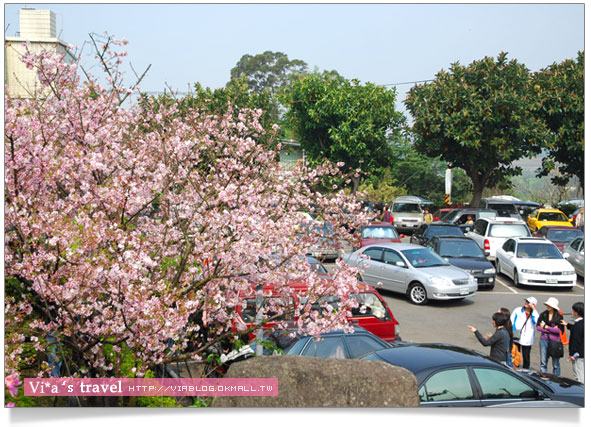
(372, 314)
(378, 232)
(560, 235)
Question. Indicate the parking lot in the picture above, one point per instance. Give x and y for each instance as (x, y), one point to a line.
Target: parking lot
(447, 321)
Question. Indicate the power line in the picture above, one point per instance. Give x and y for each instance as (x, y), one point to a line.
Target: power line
(406, 83)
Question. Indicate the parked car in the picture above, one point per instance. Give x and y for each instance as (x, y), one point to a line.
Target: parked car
(504, 208)
(454, 376)
(490, 234)
(576, 251)
(373, 313)
(576, 202)
(338, 345)
(407, 212)
(572, 218)
(413, 270)
(560, 235)
(542, 217)
(461, 217)
(426, 231)
(440, 213)
(464, 253)
(536, 262)
(378, 232)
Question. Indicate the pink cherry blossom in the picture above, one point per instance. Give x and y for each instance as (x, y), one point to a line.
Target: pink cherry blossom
(12, 382)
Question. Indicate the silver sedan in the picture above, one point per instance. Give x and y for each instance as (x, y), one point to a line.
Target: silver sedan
(576, 254)
(413, 270)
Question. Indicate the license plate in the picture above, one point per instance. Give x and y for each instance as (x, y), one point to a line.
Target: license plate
(464, 292)
(552, 281)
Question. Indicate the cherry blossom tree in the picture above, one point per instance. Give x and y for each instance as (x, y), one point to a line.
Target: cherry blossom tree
(131, 229)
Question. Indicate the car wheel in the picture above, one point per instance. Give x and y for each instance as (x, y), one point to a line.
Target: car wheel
(417, 294)
(516, 279)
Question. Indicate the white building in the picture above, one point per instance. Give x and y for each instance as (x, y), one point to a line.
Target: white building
(38, 28)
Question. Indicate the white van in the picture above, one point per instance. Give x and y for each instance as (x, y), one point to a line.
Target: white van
(407, 212)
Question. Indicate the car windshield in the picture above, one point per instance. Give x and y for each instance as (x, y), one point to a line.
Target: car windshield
(379, 233)
(538, 250)
(369, 305)
(552, 216)
(316, 265)
(421, 258)
(407, 207)
(460, 249)
(508, 230)
(564, 236)
(445, 230)
(448, 217)
(504, 209)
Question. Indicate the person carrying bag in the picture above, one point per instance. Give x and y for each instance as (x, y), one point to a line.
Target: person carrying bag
(550, 327)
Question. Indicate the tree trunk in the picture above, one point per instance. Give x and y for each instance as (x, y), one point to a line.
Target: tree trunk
(356, 180)
(478, 188)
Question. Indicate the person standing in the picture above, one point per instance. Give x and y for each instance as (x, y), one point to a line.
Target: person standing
(387, 217)
(499, 341)
(576, 343)
(427, 217)
(549, 324)
(580, 221)
(524, 320)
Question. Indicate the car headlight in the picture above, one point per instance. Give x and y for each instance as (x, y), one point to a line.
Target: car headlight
(489, 271)
(472, 278)
(525, 270)
(568, 273)
(441, 281)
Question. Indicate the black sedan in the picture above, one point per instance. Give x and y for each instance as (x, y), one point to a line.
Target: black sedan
(338, 345)
(426, 231)
(454, 376)
(464, 253)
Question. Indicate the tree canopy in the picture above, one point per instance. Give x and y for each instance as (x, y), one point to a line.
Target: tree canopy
(343, 121)
(271, 71)
(480, 118)
(561, 89)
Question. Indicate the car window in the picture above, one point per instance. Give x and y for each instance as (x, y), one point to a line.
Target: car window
(480, 227)
(508, 230)
(460, 248)
(369, 305)
(329, 347)
(496, 384)
(538, 250)
(451, 384)
(575, 243)
(391, 257)
(361, 344)
(407, 208)
(421, 258)
(379, 232)
(444, 230)
(557, 235)
(504, 209)
(552, 216)
(507, 246)
(249, 312)
(375, 254)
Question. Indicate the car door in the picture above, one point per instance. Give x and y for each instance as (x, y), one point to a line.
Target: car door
(496, 386)
(576, 251)
(395, 271)
(449, 387)
(505, 257)
(372, 266)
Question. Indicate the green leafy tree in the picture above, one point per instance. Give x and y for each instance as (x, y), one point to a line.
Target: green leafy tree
(271, 71)
(344, 121)
(561, 88)
(480, 118)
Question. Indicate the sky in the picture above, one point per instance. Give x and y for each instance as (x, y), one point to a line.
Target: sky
(385, 44)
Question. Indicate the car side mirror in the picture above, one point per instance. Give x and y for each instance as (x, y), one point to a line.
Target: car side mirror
(511, 254)
(583, 252)
(400, 264)
(565, 255)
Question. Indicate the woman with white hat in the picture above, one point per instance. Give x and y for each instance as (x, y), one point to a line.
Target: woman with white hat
(550, 327)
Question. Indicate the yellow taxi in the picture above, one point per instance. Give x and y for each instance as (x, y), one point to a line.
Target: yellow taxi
(542, 217)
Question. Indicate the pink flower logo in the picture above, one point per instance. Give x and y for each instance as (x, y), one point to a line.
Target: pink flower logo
(12, 382)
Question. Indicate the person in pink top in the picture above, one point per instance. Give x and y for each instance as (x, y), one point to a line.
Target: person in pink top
(550, 326)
